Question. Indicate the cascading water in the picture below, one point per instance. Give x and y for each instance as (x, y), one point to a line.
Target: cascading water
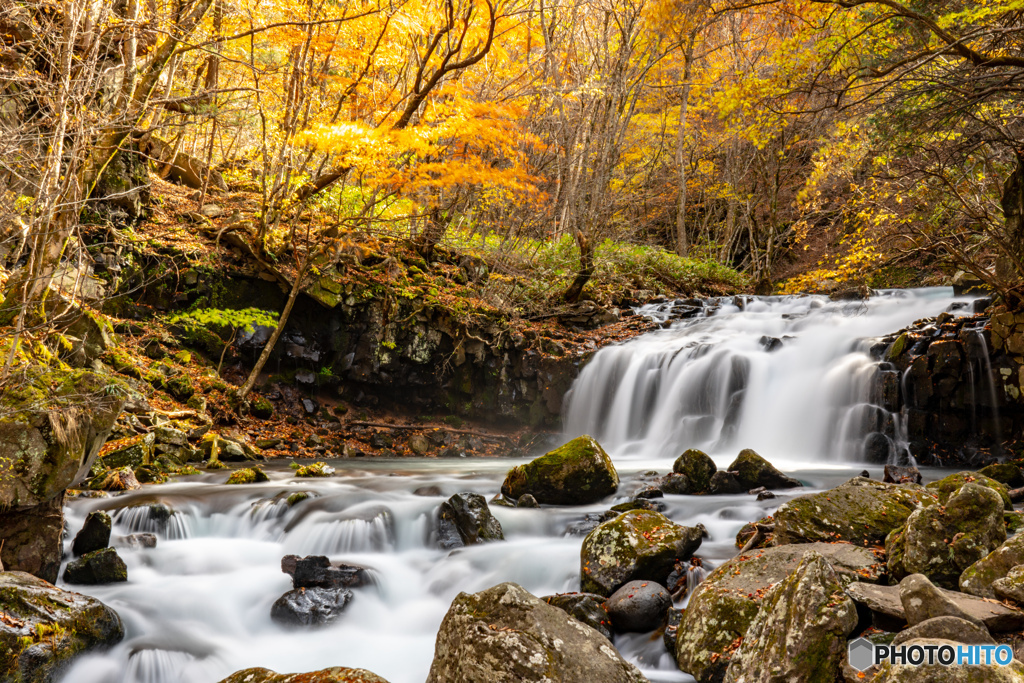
(197, 607)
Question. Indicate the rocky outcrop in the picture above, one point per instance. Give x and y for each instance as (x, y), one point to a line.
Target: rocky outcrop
(578, 473)
(336, 674)
(725, 604)
(799, 633)
(44, 627)
(861, 511)
(506, 635)
(636, 545)
(464, 519)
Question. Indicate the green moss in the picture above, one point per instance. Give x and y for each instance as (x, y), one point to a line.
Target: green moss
(248, 475)
(577, 473)
(898, 347)
(949, 485)
(316, 469)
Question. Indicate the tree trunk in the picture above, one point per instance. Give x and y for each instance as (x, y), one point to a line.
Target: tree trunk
(572, 295)
(682, 239)
(1010, 266)
(250, 382)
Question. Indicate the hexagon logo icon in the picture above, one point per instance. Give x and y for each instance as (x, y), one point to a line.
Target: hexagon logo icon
(862, 654)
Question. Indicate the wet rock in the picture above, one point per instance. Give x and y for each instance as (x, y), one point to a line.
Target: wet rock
(674, 483)
(33, 539)
(922, 601)
(137, 541)
(1005, 473)
(672, 620)
(957, 673)
(799, 633)
(901, 474)
(639, 504)
(464, 519)
(44, 627)
(335, 674)
(506, 635)
(317, 571)
(723, 606)
(636, 545)
(94, 535)
(887, 608)
(248, 475)
(589, 522)
(724, 483)
(527, 501)
(947, 486)
(948, 628)
(638, 607)
(130, 452)
(310, 606)
(861, 511)
(649, 492)
(942, 541)
(123, 479)
(979, 577)
(753, 471)
(578, 473)
(427, 491)
(587, 608)
(97, 567)
(698, 468)
(1011, 586)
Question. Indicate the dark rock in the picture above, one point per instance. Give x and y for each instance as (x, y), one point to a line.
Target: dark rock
(310, 606)
(44, 627)
(698, 468)
(638, 606)
(765, 495)
(637, 545)
(753, 471)
(33, 539)
(948, 628)
(979, 577)
(639, 504)
(427, 491)
(1011, 586)
(922, 601)
(672, 620)
(897, 474)
(506, 635)
(675, 483)
(464, 519)
(335, 674)
(99, 566)
(1005, 473)
(587, 608)
(885, 603)
(94, 535)
(723, 483)
(578, 473)
(316, 571)
(770, 344)
(650, 492)
(527, 501)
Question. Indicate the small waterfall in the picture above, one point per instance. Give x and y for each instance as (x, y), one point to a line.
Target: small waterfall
(326, 534)
(154, 518)
(791, 377)
(992, 397)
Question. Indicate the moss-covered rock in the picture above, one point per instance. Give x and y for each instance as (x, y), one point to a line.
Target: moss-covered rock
(942, 541)
(799, 633)
(506, 635)
(578, 473)
(99, 566)
(979, 577)
(698, 467)
(724, 605)
(947, 486)
(753, 471)
(641, 544)
(860, 511)
(248, 475)
(45, 627)
(1005, 473)
(129, 452)
(94, 535)
(336, 674)
(316, 469)
(122, 479)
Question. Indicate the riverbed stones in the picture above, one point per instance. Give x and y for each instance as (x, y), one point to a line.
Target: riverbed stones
(724, 483)
(464, 519)
(335, 674)
(44, 627)
(577, 473)
(638, 607)
(725, 603)
(97, 567)
(1011, 586)
(304, 607)
(753, 471)
(922, 601)
(698, 468)
(248, 475)
(947, 486)
(887, 607)
(979, 577)
(506, 635)
(637, 545)
(860, 511)
(1005, 473)
(588, 608)
(94, 535)
(675, 483)
(942, 541)
(799, 633)
(949, 628)
(317, 571)
(957, 673)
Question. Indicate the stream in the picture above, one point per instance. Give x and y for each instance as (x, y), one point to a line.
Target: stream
(197, 607)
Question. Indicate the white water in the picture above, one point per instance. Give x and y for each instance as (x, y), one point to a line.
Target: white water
(197, 607)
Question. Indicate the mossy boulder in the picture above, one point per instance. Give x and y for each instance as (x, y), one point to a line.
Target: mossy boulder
(129, 452)
(800, 631)
(725, 604)
(464, 519)
(316, 469)
(752, 471)
(578, 473)
(942, 541)
(94, 535)
(947, 486)
(640, 544)
(1005, 473)
(335, 674)
(506, 635)
(45, 627)
(248, 475)
(979, 577)
(698, 467)
(97, 567)
(861, 511)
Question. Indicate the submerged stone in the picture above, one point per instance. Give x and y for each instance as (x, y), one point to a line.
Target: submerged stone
(97, 567)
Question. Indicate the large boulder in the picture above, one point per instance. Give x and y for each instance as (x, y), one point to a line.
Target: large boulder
(979, 577)
(860, 511)
(30, 540)
(949, 628)
(578, 473)
(640, 544)
(957, 673)
(799, 633)
(99, 566)
(506, 635)
(947, 486)
(942, 541)
(753, 471)
(724, 605)
(464, 519)
(336, 674)
(1011, 586)
(698, 468)
(44, 627)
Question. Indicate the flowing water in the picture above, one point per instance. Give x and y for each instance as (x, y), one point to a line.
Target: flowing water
(197, 607)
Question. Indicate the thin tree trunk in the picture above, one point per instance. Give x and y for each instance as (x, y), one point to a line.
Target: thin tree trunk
(250, 382)
(682, 239)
